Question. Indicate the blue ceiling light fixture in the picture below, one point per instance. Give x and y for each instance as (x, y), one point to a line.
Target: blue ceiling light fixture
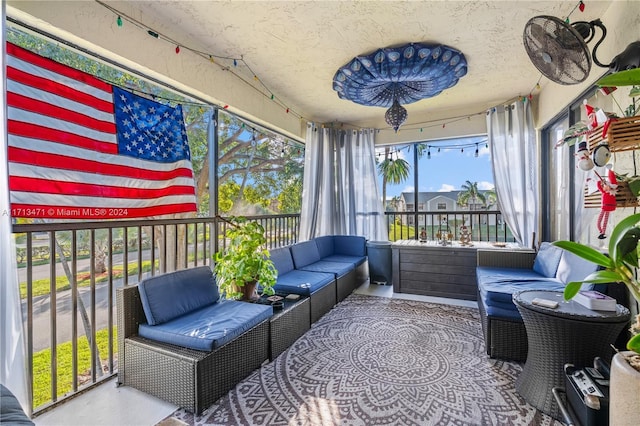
(394, 76)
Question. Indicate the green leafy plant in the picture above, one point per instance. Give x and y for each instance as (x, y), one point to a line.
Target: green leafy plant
(245, 260)
(618, 267)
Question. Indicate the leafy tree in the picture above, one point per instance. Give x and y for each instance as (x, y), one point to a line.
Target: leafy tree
(392, 171)
(491, 197)
(470, 195)
(395, 202)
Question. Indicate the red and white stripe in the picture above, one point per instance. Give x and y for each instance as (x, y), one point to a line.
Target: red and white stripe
(63, 153)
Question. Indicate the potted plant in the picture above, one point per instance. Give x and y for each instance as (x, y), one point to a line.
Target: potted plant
(245, 261)
(619, 266)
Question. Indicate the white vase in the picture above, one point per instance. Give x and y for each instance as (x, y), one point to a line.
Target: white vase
(624, 397)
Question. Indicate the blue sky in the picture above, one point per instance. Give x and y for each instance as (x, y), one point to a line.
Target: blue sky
(446, 170)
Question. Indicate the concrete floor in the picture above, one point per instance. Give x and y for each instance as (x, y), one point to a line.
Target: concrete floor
(108, 405)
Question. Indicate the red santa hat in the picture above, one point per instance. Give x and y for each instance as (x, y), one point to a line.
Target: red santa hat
(592, 120)
(613, 181)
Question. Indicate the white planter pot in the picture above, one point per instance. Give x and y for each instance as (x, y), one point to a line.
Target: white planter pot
(624, 408)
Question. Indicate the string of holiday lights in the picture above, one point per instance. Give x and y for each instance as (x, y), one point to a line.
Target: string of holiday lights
(121, 17)
(211, 57)
(437, 146)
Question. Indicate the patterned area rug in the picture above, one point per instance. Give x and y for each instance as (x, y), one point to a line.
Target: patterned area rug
(380, 361)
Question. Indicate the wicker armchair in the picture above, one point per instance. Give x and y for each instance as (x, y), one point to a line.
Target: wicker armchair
(188, 378)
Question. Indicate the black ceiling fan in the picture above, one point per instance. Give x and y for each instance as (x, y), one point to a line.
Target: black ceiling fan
(559, 50)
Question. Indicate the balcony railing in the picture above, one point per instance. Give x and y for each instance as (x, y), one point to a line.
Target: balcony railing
(68, 273)
(483, 225)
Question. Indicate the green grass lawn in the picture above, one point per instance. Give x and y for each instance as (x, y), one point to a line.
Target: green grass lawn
(42, 366)
(42, 287)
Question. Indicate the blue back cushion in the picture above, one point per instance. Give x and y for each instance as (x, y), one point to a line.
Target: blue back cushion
(282, 260)
(171, 295)
(573, 268)
(351, 245)
(325, 245)
(547, 260)
(305, 253)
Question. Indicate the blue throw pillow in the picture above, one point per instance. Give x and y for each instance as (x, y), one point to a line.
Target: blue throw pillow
(171, 295)
(547, 260)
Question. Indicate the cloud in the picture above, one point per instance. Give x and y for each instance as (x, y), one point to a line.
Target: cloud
(446, 188)
(484, 185)
(408, 189)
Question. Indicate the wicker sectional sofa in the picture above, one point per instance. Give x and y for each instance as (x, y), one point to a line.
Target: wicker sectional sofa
(500, 274)
(179, 342)
(326, 269)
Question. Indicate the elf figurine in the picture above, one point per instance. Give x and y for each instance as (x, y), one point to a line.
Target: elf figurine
(608, 190)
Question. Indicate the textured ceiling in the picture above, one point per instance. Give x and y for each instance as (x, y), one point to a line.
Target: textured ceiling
(295, 47)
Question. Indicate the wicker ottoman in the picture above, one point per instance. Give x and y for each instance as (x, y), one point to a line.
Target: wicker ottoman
(569, 333)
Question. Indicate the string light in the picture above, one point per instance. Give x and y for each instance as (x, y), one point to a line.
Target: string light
(477, 152)
(120, 17)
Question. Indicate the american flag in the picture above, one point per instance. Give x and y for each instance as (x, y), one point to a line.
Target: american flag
(80, 148)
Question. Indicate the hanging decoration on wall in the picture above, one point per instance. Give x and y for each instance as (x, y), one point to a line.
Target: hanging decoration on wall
(396, 76)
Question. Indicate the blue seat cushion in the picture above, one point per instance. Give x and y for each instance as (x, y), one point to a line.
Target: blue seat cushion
(168, 296)
(355, 260)
(503, 291)
(337, 268)
(302, 282)
(491, 275)
(209, 328)
(503, 311)
(304, 253)
(547, 260)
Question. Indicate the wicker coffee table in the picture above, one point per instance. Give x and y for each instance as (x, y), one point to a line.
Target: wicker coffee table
(569, 333)
(288, 324)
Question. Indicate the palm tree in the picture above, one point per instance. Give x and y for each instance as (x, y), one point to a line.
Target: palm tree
(470, 195)
(392, 171)
(491, 197)
(395, 202)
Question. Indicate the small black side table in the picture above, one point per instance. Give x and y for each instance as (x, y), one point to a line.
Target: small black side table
(570, 333)
(288, 324)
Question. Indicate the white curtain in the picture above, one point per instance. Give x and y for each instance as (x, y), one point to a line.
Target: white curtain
(512, 141)
(341, 194)
(12, 350)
